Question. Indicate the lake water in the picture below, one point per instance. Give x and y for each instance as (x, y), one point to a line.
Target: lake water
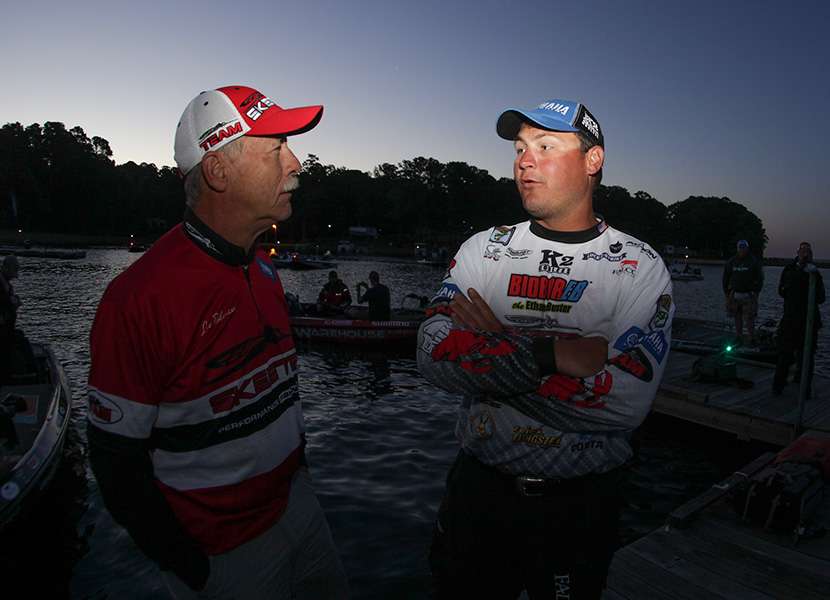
(380, 442)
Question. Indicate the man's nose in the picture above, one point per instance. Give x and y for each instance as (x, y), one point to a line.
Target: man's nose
(292, 165)
(526, 159)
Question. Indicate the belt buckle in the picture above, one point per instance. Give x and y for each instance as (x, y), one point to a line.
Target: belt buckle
(522, 481)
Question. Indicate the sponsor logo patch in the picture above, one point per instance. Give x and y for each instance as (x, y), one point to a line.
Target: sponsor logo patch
(502, 234)
(518, 254)
(645, 249)
(262, 104)
(266, 269)
(446, 292)
(603, 256)
(634, 362)
(535, 436)
(615, 247)
(215, 135)
(627, 267)
(481, 425)
(555, 262)
(661, 315)
(103, 410)
(542, 287)
(492, 252)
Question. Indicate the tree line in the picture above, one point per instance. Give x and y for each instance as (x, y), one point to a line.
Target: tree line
(60, 180)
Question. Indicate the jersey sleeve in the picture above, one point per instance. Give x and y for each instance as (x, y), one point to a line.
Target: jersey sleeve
(619, 397)
(472, 362)
(125, 378)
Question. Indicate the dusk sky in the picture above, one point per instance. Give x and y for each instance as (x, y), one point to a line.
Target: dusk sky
(721, 98)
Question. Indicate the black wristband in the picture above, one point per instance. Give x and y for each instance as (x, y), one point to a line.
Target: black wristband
(545, 355)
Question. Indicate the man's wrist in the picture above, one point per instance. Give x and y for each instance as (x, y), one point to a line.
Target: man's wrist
(544, 351)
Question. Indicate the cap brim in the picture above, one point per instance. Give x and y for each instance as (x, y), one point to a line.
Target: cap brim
(510, 122)
(288, 121)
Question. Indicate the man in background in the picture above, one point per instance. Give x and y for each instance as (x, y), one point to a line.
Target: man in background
(743, 279)
(794, 287)
(335, 296)
(377, 295)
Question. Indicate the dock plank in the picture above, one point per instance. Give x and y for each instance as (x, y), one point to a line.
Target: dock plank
(715, 584)
(641, 578)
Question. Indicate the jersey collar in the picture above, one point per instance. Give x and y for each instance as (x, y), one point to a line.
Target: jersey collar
(570, 237)
(213, 244)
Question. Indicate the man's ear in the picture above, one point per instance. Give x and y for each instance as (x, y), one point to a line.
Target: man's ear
(215, 171)
(594, 159)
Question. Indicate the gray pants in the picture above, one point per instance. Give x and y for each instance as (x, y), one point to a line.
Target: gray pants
(295, 559)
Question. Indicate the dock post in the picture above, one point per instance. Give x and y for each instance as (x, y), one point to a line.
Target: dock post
(806, 354)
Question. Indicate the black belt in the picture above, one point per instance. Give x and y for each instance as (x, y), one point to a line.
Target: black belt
(534, 486)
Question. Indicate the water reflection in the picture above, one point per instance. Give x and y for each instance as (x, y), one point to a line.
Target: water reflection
(380, 440)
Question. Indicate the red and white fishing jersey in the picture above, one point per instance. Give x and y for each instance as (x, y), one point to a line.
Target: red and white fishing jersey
(192, 355)
(594, 283)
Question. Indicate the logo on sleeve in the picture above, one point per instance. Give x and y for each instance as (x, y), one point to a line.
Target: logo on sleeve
(661, 315)
(103, 410)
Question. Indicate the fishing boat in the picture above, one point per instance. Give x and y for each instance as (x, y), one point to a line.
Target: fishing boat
(34, 419)
(295, 262)
(354, 328)
(680, 271)
(699, 336)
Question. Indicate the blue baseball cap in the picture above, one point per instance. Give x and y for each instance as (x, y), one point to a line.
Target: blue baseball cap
(555, 115)
(743, 244)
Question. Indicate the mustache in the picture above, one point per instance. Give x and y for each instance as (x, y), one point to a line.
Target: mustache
(291, 184)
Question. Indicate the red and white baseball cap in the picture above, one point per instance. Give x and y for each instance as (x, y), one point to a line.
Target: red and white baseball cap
(212, 119)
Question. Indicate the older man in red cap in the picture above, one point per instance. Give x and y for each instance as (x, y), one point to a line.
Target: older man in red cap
(196, 430)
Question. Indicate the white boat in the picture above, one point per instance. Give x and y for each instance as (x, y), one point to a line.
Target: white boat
(35, 411)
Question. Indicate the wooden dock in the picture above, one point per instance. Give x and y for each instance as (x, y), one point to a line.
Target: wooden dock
(707, 551)
(750, 412)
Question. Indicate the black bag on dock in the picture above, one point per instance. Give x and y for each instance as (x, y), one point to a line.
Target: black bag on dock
(781, 497)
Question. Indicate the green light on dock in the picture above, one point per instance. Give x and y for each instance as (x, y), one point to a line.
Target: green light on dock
(728, 348)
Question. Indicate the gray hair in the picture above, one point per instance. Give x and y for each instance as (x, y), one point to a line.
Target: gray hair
(193, 179)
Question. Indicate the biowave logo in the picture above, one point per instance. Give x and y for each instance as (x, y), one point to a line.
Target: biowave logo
(555, 262)
(603, 256)
(542, 287)
(556, 107)
(502, 234)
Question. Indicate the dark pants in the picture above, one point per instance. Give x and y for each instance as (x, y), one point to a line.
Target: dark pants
(791, 350)
(490, 541)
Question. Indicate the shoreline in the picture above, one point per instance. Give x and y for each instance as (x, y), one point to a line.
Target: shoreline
(10, 239)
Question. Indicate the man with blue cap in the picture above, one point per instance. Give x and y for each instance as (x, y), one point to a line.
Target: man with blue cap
(556, 332)
(743, 279)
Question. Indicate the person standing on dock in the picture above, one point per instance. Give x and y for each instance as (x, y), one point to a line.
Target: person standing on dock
(196, 433)
(377, 295)
(556, 332)
(794, 287)
(743, 279)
